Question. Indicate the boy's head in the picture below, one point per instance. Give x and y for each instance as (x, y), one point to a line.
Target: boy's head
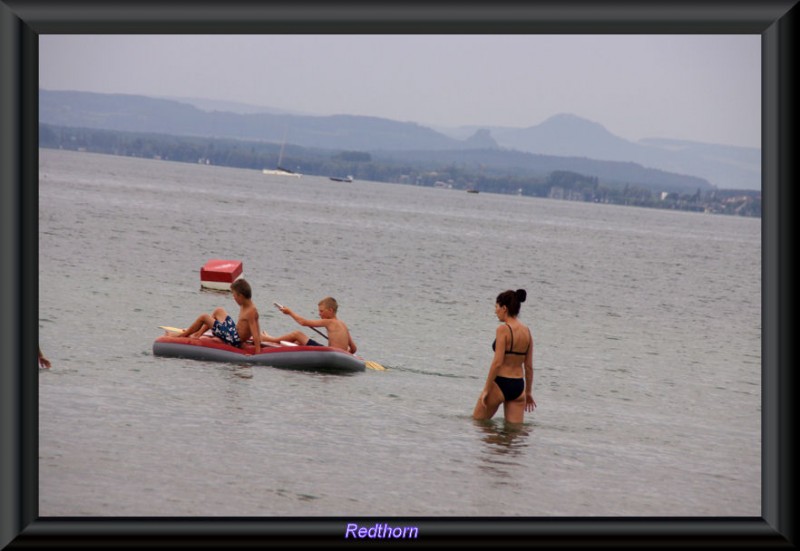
(328, 303)
(242, 287)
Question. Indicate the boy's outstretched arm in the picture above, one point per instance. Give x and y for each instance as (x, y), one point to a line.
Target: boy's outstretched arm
(303, 321)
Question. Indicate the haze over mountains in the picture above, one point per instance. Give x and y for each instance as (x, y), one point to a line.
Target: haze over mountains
(563, 135)
(567, 135)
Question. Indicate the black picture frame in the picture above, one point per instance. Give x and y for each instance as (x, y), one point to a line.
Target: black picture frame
(22, 21)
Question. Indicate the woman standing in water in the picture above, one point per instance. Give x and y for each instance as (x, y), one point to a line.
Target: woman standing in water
(510, 379)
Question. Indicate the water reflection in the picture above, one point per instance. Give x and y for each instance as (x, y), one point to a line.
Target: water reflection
(505, 446)
(243, 371)
(505, 438)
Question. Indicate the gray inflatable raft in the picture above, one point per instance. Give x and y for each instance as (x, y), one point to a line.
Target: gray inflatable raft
(287, 357)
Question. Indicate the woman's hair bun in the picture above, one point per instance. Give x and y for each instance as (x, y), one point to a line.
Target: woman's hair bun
(521, 295)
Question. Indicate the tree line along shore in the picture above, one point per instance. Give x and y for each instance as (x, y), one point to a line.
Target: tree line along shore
(557, 184)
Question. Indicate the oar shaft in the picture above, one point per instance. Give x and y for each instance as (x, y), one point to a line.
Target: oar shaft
(372, 365)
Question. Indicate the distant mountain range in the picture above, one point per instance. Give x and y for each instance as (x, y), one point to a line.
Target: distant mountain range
(727, 167)
(578, 141)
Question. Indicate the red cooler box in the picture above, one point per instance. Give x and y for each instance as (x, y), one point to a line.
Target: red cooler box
(219, 274)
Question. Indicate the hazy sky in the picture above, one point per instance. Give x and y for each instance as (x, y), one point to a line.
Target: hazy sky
(696, 87)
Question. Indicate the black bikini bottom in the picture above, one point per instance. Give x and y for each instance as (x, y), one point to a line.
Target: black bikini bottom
(511, 388)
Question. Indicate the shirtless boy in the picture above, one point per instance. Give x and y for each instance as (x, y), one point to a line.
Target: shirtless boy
(222, 325)
(338, 334)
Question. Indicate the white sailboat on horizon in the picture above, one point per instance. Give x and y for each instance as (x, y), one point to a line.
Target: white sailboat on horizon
(279, 170)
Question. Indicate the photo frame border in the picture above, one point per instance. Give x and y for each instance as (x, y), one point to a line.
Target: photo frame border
(21, 22)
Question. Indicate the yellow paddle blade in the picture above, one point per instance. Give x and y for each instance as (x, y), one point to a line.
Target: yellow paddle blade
(374, 365)
(170, 329)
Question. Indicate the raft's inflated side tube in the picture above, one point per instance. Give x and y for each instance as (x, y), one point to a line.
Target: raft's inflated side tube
(288, 357)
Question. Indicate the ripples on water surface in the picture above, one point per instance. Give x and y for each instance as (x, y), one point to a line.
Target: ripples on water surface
(647, 350)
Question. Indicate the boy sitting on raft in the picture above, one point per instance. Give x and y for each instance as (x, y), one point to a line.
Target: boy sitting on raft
(338, 334)
(222, 325)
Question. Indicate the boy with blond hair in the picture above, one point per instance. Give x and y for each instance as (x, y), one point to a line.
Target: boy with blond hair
(338, 334)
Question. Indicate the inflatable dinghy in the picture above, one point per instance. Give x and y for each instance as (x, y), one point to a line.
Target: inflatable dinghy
(285, 355)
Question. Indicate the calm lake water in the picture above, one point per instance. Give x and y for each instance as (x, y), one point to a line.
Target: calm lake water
(647, 329)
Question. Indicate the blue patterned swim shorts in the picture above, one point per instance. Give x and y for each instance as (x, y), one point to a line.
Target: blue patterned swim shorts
(227, 332)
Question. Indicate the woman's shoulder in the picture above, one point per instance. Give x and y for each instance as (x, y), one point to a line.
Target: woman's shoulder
(519, 326)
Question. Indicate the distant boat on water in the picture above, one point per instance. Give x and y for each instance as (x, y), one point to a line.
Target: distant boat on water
(472, 190)
(279, 170)
(337, 179)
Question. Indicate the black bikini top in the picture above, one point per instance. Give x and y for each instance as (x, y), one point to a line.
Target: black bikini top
(511, 348)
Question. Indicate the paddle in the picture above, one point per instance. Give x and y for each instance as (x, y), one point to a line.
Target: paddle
(370, 364)
(178, 330)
